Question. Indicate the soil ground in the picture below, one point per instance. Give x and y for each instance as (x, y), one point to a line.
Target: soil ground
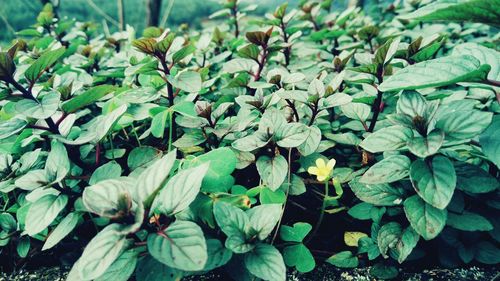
(322, 273)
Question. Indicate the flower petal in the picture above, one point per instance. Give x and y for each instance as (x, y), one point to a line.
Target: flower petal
(321, 178)
(313, 170)
(320, 163)
(331, 164)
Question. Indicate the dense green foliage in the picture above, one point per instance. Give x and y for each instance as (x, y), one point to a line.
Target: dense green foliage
(20, 14)
(176, 153)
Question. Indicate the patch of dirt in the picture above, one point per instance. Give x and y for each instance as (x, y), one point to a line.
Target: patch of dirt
(322, 273)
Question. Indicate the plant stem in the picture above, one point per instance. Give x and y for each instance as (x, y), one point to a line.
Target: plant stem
(170, 92)
(321, 215)
(378, 101)
(376, 111)
(314, 113)
(261, 63)
(287, 50)
(492, 82)
(234, 13)
(170, 130)
(294, 109)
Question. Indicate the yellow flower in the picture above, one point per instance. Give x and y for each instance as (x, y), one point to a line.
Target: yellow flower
(322, 170)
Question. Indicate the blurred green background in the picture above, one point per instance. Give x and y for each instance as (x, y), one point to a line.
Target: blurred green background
(16, 15)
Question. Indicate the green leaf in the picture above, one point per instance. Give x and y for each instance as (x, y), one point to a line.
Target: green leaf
(436, 73)
(218, 255)
(361, 211)
(295, 233)
(251, 142)
(377, 194)
(249, 51)
(385, 53)
(43, 212)
(110, 170)
(468, 221)
(149, 269)
(159, 123)
(87, 98)
(489, 140)
(343, 259)
(454, 10)
(312, 142)
(473, 179)
(46, 60)
(386, 139)
(151, 179)
(300, 257)
(463, 124)
(44, 109)
(264, 218)
(427, 220)
(404, 245)
(428, 51)
(182, 246)
(141, 156)
(62, 230)
(267, 196)
(273, 171)
(231, 220)
(106, 198)
(8, 222)
(222, 162)
(483, 54)
(188, 81)
(11, 127)
(165, 44)
(122, 268)
(487, 253)
(7, 66)
(388, 170)
(272, 121)
(180, 191)
(32, 180)
(23, 246)
(238, 65)
(338, 99)
(434, 181)
(97, 128)
(366, 245)
(57, 165)
(102, 251)
(292, 135)
(388, 236)
(266, 262)
(356, 111)
(411, 103)
(182, 53)
(426, 146)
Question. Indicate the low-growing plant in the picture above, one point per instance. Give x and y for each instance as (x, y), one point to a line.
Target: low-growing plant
(179, 153)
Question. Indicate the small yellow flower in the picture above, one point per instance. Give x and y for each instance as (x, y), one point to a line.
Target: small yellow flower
(322, 170)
